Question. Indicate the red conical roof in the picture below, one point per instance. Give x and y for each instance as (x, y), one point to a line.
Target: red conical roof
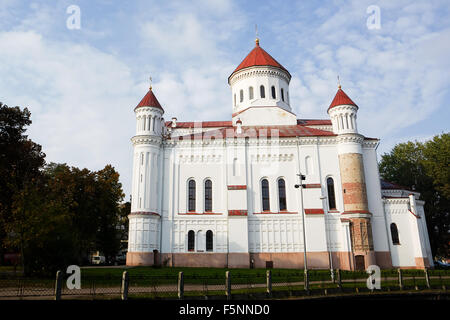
(341, 98)
(258, 57)
(149, 100)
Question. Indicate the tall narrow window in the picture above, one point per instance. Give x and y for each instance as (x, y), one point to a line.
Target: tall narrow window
(274, 94)
(250, 93)
(191, 240)
(262, 92)
(265, 195)
(209, 240)
(331, 195)
(282, 194)
(241, 95)
(191, 195)
(282, 94)
(394, 234)
(235, 99)
(208, 195)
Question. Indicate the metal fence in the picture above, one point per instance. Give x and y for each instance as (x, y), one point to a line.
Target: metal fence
(231, 284)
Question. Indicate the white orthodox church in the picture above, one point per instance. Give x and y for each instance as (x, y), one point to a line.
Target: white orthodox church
(230, 193)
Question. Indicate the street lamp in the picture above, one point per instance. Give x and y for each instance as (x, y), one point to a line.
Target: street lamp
(330, 256)
(305, 262)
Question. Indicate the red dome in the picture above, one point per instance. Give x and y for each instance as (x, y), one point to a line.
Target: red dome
(149, 100)
(341, 98)
(258, 57)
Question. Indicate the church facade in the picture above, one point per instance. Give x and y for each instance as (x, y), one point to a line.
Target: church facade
(266, 189)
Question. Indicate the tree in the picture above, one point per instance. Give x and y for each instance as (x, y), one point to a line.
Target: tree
(20, 162)
(109, 196)
(425, 168)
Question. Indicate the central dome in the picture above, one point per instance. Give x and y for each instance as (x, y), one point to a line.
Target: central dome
(258, 57)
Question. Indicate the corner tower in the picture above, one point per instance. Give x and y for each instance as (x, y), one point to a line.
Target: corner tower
(260, 91)
(342, 112)
(145, 216)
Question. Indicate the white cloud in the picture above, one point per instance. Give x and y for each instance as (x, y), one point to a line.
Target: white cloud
(81, 99)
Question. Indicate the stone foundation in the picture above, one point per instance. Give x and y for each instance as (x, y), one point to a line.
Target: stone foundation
(289, 260)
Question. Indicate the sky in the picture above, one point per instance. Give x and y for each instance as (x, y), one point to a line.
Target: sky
(82, 71)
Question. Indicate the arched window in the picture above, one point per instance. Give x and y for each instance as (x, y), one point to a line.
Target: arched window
(209, 240)
(208, 195)
(262, 92)
(394, 234)
(191, 240)
(265, 195)
(250, 93)
(235, 99)
(282, 94)
(241, 95)
(191, 195)
(331, 195)
(282, 194)
(274, 94)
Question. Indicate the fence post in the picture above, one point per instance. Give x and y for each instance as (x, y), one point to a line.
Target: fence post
(400, 279)
(58, 285)
(427, 277)
(180, 285)
(269, 282)
(339, 280)
(228, 285)
(306, 281)
(125, 283)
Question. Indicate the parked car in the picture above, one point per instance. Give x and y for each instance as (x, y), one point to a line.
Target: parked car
(120, 259)
(98, 260)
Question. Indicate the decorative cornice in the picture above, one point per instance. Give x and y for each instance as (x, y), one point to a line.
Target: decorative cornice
(146, 139)
(200, 213)
(350, 137)
(225, 142)
(259, 71)
(342, 109)
(280, 212)
(143, 213)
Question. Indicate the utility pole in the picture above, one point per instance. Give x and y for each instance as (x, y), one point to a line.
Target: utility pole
(305, 262)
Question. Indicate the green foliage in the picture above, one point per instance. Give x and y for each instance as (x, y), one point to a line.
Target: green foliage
(425, 167)
(54, 215)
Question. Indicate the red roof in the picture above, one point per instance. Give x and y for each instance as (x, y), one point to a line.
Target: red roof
(259, 131)
(203, 124)
(149, 100)
(258, 57)
(341, 98)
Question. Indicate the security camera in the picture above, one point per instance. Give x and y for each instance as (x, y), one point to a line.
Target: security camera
(297, 186)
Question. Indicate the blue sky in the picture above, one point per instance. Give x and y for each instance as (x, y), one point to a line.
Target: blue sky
(81, 85)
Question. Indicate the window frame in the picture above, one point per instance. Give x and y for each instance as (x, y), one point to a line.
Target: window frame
(331, 192)
(265, 196)
(394, 231)
(282, 199)
(208, 198)
(209, 243)
(191, 241)
(262, 91)
(192, 197)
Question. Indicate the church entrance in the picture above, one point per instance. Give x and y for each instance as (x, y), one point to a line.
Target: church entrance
(359, 262)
